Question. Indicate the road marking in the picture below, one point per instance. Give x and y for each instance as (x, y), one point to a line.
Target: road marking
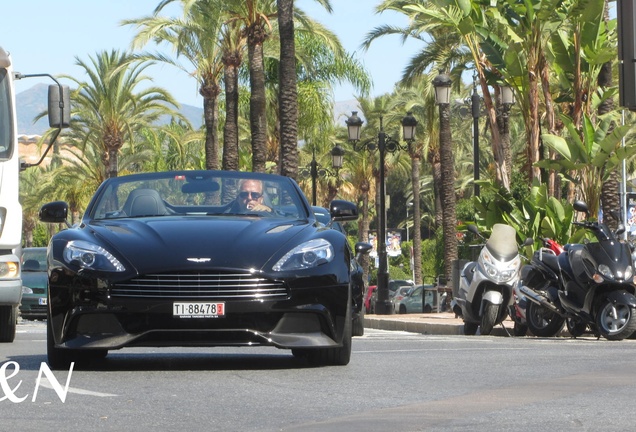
(46, 384)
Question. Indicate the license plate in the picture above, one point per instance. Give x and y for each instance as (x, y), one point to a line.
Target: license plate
(42, 301)
(198, 310)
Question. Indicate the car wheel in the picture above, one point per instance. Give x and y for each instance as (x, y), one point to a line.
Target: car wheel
(333, 356)
(402, 309)
(358, 324)
(8, 322)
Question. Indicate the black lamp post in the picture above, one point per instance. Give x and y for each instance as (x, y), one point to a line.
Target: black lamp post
(442, 83)
(383, 144)
(315, 170)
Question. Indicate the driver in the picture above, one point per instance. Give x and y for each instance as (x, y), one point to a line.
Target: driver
(250, 196)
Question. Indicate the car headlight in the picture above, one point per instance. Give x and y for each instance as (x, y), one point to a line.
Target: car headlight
(91, 256)
(9, 269)
(26, 290)
(307, 255)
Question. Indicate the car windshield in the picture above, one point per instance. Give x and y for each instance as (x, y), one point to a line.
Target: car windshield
(198, 193)
(34, 259)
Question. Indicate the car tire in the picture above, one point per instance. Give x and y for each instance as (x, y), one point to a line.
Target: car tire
(8, 323)
(58, 358)
(402, 309)
(331, 356)
(358, 324)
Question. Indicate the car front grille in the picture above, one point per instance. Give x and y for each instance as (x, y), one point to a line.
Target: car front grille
(216, 286)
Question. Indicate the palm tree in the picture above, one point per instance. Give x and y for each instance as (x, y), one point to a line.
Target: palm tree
(109, 108)
(287, 94)
(195, 37)
(254, 17)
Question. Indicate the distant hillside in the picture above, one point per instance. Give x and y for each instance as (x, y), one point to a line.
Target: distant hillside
(32, 102)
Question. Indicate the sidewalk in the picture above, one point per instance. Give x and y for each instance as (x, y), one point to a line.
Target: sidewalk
(443, 323)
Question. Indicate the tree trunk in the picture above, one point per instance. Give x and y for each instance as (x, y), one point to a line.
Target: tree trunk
(232, 63)
(417, 232)
(287, 94)
(210, 92)
(258, 120)
(447, 191)
(610, 194)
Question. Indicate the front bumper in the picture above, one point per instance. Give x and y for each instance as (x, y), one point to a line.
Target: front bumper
(10, 292)
(86, 314)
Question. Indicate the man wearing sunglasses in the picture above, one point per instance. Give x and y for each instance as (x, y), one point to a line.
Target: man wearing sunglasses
(250, 196)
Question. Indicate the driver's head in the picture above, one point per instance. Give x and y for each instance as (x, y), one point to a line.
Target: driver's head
(250, 192)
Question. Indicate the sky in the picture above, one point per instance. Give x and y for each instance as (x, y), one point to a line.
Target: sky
(46, 36)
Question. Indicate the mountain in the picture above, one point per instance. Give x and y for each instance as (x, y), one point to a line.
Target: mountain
(32, 102)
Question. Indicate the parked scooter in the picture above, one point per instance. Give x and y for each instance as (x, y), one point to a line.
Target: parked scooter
(517, 309)
(485, 285)
(588, 284)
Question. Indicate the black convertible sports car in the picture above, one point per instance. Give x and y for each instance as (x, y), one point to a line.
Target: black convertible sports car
(201, 258)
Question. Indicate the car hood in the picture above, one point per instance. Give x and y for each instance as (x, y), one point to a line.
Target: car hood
(198, 242)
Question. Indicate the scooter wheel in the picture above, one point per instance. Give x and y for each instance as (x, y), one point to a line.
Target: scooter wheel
(519, 329)
(576, 328)
(470, 329)
(616, 321)
(543, 322)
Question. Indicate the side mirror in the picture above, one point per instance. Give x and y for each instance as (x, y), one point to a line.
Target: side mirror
(362, 248)
(580, 206)
(343, 210)
(473, 229)
(54, 212)
(59, 106)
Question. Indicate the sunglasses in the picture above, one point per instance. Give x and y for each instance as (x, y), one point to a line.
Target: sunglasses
(254, 195)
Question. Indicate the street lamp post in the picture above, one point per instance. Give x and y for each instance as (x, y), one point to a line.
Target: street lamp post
(442, 83)
(315, 170)
(384, 144)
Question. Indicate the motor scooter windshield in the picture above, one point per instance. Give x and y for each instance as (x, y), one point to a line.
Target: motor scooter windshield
(502, 243)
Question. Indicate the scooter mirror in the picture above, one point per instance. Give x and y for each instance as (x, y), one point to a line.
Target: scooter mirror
(580, 206)
(620, 229)
(473, 229)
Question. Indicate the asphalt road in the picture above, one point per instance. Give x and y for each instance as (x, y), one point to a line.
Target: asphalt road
(396, 381)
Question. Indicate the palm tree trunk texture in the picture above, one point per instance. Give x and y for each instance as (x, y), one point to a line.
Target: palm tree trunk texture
(447, 191)
(210, 93)
(610, 193)
(417, 233)
(258, 119)
(230, 129)
(288, 96)
(363, 232)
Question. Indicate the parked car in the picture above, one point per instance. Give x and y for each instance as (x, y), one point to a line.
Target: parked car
(370, 299)
(34, 283)
(412, 302)
(165, 259)
(397, 283)
(399, 295)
